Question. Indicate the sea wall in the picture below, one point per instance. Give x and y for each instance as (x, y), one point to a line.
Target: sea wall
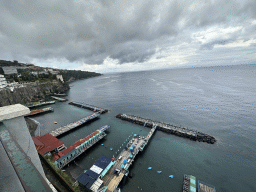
(30, 92)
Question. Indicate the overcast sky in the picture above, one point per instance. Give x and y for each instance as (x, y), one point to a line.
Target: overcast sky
(128, 35)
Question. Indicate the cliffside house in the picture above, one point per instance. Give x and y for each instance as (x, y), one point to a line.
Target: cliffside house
(60, 78)
(3, 82)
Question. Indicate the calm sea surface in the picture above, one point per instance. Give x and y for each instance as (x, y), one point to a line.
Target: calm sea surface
(220, 101)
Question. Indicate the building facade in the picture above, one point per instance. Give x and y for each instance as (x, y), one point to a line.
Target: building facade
(10, 70)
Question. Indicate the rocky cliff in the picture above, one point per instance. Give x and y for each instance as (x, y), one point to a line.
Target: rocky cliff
(30, 92)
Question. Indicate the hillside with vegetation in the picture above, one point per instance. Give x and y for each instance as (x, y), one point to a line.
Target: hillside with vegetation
(26, 83)
(32, 73)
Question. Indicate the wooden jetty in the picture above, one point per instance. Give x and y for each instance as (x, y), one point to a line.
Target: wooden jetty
(59, 99)
(90, 107)
(37, 104)
(40, 111)
(60, 94)
(73, 125)
(168, 128)
(69, 154)
(132, 148)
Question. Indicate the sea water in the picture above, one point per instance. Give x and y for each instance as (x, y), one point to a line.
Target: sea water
(219, 101)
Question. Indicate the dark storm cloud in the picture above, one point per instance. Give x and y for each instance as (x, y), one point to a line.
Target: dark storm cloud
(211, 44)
(132, 54)
(220, 40)
(129, 31)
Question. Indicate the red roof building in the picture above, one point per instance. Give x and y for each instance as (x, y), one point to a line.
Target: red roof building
(62, 153)
(47, 143)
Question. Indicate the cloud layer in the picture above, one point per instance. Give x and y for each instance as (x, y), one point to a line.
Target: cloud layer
(143, 34)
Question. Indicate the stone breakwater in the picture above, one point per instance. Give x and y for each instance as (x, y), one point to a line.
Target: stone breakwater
(168, 128)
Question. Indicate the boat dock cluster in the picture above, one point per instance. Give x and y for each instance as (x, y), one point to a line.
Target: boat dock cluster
(125, 160)
(59, 99)
(69, 154)
(70, 126)
(168, 128)
(89, 107)
(39, 111)
(107, 173)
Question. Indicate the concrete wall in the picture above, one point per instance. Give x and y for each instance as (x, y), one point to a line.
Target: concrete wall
(13, 119)
(19, 130)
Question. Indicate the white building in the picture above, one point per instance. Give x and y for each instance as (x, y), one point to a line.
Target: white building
(35, 73)
(3, 82)
(60, 77)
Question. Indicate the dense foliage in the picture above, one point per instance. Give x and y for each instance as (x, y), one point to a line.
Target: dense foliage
(10, 63)
(63, 175)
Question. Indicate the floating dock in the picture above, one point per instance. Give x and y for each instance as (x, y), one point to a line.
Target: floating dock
(66, 156)
(90, 107)
(40, 111)
(168, 128)
(59, 99)
(203, 187)
(125, 160)
(71, 126)
(189, 183)
(37, 104)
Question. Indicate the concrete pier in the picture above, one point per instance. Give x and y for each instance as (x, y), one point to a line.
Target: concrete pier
(90, 107)
(168, 128)
(73, 125)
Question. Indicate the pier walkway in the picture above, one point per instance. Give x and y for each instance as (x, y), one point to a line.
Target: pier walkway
(168, 128)
(90, 107)
(132, 148)
(37, 104)
(70, 126)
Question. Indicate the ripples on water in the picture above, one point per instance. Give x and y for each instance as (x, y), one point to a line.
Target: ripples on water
(218, 100)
